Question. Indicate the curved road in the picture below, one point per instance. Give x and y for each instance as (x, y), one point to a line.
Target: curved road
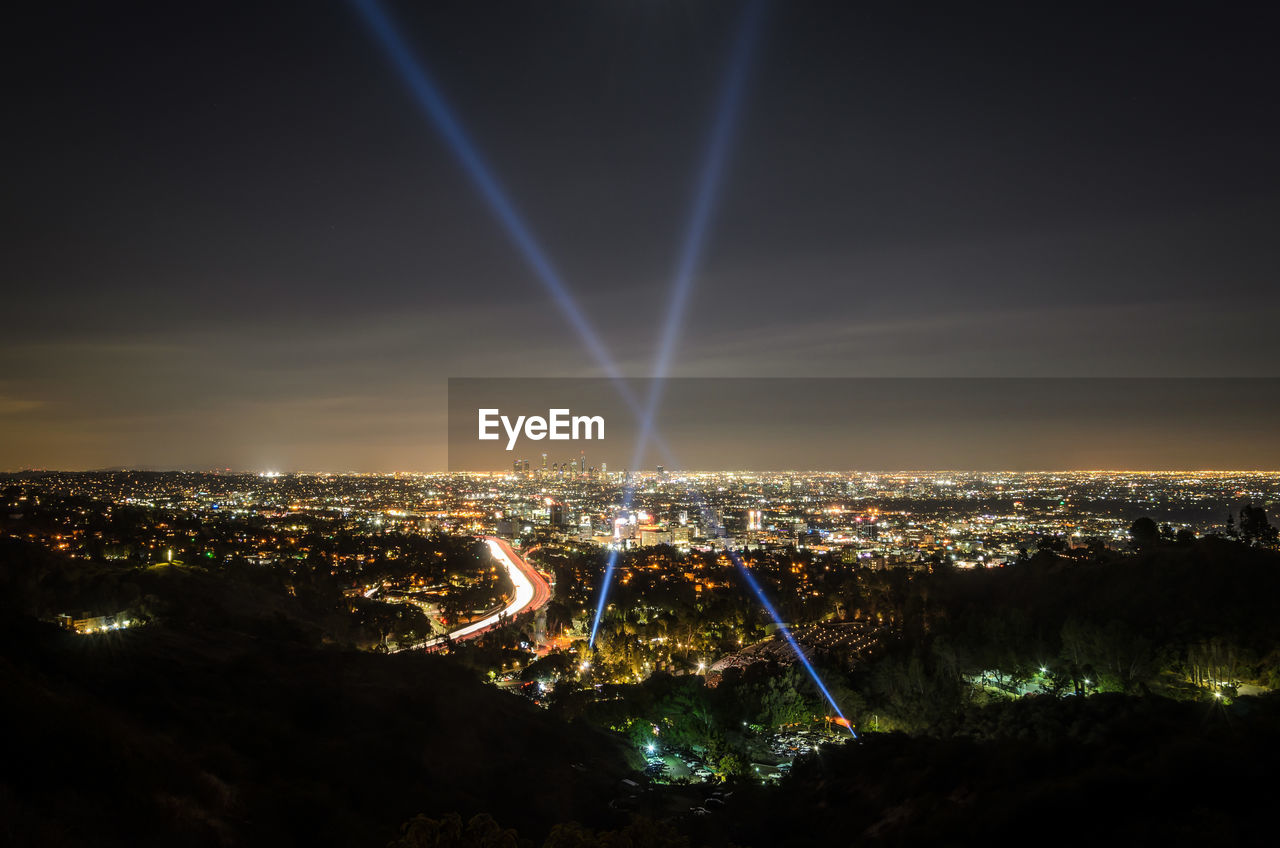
(532, 593)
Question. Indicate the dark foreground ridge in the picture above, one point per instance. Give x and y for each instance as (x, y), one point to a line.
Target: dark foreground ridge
(238, 716)
(252, 734)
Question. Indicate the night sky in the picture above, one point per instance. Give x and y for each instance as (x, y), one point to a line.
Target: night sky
(232, 239)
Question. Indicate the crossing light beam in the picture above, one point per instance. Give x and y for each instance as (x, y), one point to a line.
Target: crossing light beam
(433, 104)
(695, 237)
(428, 96)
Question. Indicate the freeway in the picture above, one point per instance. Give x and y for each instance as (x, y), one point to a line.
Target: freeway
(532, 593)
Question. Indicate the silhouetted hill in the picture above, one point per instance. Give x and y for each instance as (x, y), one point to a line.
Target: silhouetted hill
(1109, 769)
(1213, 587)
(253, 735)
(239, 716)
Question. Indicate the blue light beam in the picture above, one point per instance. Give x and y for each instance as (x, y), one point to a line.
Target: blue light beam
(710, 179)
(755, 587)
(429, 98)
(695, 238)
(786, 634)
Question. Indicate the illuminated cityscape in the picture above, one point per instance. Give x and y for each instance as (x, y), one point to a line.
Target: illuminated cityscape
(499, 574)
(868, 520)
(639, 425)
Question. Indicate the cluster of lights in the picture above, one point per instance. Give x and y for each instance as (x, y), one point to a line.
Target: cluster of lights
(435, 106)
(119, 625)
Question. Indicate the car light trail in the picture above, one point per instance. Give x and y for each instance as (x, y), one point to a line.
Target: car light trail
(531, 593)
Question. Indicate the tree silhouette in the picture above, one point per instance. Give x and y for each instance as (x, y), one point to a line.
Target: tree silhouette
(448, 832)
(1254, 527)
(1144, 534)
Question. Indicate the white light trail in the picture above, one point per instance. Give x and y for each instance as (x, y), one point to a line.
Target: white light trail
(524, 596)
